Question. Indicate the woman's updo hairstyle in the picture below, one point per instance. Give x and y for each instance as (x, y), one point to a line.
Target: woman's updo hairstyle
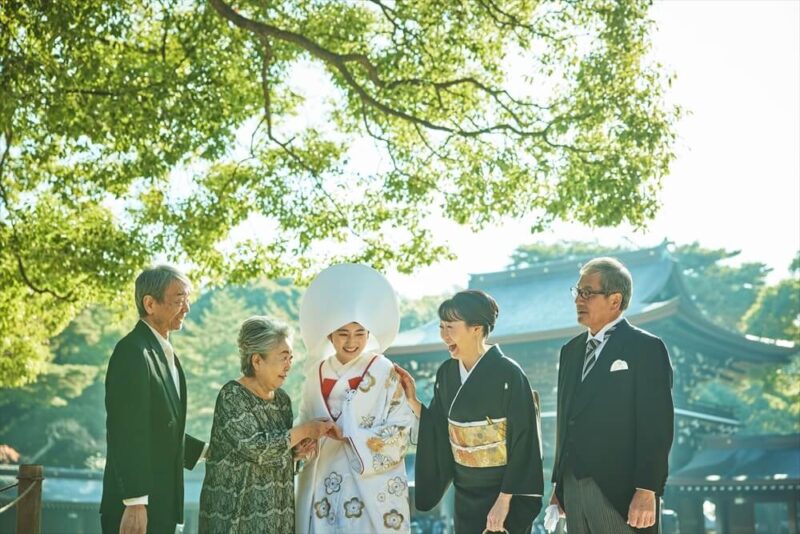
(473, 306)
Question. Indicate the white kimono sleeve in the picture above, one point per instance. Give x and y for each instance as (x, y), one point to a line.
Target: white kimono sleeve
(378, 442)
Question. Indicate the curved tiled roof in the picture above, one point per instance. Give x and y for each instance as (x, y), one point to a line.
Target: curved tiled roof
(535, 304)
(537, 299)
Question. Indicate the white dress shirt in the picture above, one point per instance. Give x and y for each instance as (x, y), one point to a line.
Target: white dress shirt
(601, 336)
(169, 353)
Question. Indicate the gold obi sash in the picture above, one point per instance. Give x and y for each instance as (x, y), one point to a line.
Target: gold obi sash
(478, 443)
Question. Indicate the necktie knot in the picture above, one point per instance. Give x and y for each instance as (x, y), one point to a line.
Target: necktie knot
(591, 353)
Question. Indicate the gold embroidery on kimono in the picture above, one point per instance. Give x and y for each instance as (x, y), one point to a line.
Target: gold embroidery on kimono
(375, 444)
(367, 382)
(398, 396)
(391, 379)
(479, 443)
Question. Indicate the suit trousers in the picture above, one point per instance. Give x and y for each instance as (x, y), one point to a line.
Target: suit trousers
(588, 510)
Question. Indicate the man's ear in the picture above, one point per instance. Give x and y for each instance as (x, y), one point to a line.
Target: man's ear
(148, 301)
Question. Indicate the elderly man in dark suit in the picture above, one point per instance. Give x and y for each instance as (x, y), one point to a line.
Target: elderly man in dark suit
(615, 413)
(146, 414)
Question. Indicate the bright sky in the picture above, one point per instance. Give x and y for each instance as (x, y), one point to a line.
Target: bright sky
(736, 180)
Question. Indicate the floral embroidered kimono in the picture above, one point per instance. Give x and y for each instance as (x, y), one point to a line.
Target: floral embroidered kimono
(360, 484)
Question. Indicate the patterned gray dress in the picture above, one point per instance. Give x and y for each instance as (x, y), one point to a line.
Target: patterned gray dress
(249, 482)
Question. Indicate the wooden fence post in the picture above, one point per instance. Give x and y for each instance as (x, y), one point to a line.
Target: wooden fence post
(29, 509)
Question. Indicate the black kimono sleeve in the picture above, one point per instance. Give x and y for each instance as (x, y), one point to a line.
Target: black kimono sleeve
(523, 473)
(433, 470)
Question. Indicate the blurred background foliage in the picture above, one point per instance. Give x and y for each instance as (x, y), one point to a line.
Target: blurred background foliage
(60, 419)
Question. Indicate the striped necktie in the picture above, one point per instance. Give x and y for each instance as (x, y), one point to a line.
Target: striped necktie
(591, 353)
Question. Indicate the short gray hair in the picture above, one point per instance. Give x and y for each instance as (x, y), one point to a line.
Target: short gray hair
(259, 335)
(154, 281)
(614, 277)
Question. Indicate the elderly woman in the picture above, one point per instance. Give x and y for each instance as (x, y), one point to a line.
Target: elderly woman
(249, 483)
(479, 431)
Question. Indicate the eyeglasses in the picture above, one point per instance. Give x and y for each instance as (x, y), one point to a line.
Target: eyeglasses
(282, 360)
(181, 300)
(585, 294)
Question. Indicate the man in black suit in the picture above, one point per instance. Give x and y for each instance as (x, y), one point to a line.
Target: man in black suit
(615, 414)
(146, 414)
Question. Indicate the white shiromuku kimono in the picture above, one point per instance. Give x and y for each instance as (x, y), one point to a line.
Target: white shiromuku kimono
(360, 484)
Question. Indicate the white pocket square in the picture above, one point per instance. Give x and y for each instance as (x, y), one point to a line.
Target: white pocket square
(619, 365)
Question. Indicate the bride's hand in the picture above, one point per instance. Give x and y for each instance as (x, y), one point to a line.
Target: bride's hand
(335, 433)
(305, 450)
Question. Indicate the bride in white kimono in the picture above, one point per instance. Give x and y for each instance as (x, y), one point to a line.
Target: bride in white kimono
(358, 484)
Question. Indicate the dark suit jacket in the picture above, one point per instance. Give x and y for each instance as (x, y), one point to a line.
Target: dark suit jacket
(145, 422)
(615, 427)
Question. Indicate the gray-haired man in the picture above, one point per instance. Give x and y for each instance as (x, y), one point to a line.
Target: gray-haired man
(146, 414)
(615, 413)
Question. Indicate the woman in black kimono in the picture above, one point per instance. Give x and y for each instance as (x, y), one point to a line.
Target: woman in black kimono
(480, 430)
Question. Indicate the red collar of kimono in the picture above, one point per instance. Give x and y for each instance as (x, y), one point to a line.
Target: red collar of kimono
(327, 384)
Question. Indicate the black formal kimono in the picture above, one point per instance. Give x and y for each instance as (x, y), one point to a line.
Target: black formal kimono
(483, 437)
(146, 445)
(617, 425)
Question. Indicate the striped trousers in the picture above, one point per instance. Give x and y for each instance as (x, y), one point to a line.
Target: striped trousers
(588, 510)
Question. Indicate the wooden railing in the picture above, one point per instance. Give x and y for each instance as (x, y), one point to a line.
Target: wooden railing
(29, 499)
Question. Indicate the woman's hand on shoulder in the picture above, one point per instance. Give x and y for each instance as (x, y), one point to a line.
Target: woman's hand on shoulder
(409, 388)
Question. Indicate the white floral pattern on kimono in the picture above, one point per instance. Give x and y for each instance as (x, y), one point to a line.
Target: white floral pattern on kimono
(360, 484)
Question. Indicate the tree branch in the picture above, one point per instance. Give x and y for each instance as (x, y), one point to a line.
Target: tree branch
(340, 63)
(407, 36)
(7, 138)
(513, 21)
(36, 289)
(285, 145)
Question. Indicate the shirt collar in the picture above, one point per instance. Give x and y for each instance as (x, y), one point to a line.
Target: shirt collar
(166, 346)
(601, 334)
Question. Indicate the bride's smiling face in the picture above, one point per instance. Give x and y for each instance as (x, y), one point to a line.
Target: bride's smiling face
(349, 341)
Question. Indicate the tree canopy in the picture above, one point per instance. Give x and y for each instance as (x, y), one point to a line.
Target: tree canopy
(776, 312)
(268, 138)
